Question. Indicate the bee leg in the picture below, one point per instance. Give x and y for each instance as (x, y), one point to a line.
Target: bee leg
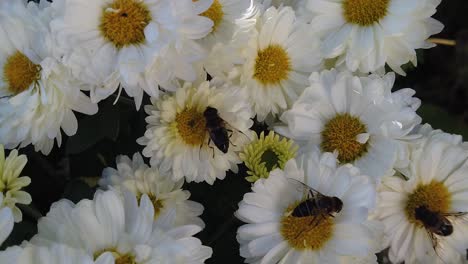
(212, 148)
(230, 135)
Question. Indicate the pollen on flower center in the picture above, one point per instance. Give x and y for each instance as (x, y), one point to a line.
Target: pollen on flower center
(365, 12)
(191, 126)
(20, 72)
(340, 134)
(215, 13)
(119, 258)
(306, 232)
(435, 196)
(272, 65)
(123, 22)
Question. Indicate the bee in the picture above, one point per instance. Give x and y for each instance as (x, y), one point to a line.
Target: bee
(217, 130)
(315, 204)
(435, 223)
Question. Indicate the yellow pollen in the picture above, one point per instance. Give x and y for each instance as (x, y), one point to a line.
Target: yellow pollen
(340, 134)
(435, 196)
(364, 12)
(119, 258)
(215, 13)
(157, 205)
(20, 72)
(123, 22)
(272, 65)
(303, 233)
(191, 126)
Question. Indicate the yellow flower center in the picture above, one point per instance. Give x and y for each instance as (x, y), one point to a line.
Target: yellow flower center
(304, 232)
(340, 134)
(123, 22)
(191, 126)
(215, 13)
(20, 72)
(434, 196)
(364, 12)
(157, 205)
(272, 65)
(119, 258)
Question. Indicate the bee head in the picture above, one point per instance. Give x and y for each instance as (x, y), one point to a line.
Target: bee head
(338, 204)
(210, 111)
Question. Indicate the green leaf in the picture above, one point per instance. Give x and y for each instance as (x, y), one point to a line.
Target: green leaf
(93, 129)
(76, 190)
(439, 118)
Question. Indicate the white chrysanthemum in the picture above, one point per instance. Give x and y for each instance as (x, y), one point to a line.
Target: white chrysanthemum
(225, 15)
(11, 184)
(122, 228)
(37, 94)
(6, 221)
(358, 117)
(53, 254)
(273, 235)
(436, 182)
(278, 57)
(178, 141)
(167, 196)
(367, 34)
(270, 57)
(137, 44)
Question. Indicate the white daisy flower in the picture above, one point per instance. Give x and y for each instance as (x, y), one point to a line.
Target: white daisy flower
(37, 94)
(225, 15)
(6, 221)
(119, 228)
(137, 44)
(278, 57)
(358, 117)
(270, 58)
(299, 7)
(436, 188)
(177, 138)
(11, 184)
(273, 234)
(54, 254)
(168, 197)
(367, 34)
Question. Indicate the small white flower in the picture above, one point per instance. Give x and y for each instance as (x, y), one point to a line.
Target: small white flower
(37, 94)
(299, 7)
(273, 235)
(367, 34)
(11, 184)
(137, 44)
(177, 137)
(120, 228)
(436, 183)
(167, 196)
(358, 117)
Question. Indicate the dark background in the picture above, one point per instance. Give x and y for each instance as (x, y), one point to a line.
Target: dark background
(441, 82)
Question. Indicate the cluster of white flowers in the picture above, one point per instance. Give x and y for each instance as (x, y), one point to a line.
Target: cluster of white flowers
(346, 171)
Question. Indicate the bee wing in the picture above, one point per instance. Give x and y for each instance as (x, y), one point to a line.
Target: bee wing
(306, 190)
(457, 214)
